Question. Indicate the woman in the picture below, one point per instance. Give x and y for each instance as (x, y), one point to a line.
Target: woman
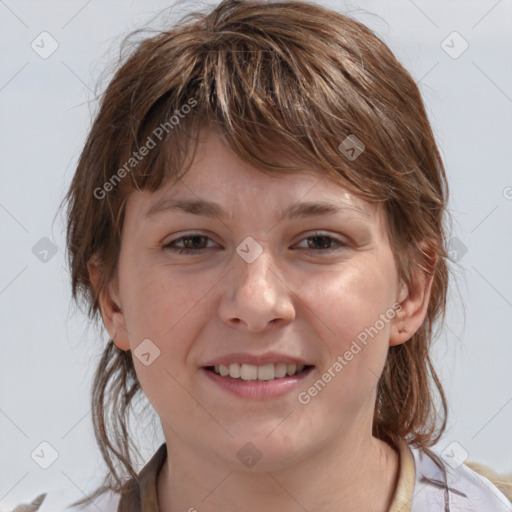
(258, 216)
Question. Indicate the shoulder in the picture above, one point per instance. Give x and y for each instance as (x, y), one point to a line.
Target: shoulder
(468, 490)
(62, 500)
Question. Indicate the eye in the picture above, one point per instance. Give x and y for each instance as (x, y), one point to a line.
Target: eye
(192, 243)
(324, 242)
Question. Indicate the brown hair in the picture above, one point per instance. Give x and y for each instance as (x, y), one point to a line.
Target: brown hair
(290, 75)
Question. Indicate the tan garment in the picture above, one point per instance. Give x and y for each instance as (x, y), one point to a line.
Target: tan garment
(406, 479)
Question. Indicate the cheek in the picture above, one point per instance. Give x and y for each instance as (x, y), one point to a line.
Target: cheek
(356, 340)
(353, 300)
(170, 308)
(167, 309)
(355, 313)
(162, 299)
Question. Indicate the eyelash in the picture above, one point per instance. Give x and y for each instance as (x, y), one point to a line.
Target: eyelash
(183, 251)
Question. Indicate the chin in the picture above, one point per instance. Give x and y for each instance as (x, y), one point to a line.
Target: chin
(261, 452)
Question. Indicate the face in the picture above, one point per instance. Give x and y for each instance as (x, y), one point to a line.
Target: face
(252, 289)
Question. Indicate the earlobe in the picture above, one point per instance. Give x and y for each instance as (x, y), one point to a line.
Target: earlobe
(111, 311)
(413, 308)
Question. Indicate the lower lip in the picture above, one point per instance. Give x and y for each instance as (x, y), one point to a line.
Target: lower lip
(258, 389)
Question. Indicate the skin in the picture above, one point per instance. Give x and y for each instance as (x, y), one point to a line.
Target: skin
(309, 304)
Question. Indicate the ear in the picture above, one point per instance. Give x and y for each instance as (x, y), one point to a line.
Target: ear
(414, 304)
(110, 307)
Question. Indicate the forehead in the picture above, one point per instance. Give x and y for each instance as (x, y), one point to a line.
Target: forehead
(218, 183)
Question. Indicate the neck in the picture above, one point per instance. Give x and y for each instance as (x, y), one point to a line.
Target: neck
(355, 474)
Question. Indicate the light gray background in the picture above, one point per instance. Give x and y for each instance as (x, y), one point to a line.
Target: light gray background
(48, 351)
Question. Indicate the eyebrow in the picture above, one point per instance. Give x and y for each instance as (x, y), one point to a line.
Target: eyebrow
(214, 210)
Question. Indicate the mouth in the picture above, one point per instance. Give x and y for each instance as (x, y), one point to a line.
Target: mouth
(266, 372)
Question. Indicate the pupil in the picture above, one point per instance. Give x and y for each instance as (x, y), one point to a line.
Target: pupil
(195, 239)
(325, 245)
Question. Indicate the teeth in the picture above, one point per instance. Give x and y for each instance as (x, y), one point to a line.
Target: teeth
(248, 372)
(280, 370)
(234, 370)
(266, 372)
(291, 369)
(263, 372)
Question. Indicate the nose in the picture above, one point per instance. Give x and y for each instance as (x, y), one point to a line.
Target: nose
(256, 295)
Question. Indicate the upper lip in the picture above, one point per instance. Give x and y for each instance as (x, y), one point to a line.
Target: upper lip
(257, 360)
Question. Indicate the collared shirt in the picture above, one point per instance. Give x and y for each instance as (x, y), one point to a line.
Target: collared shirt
(421, 487)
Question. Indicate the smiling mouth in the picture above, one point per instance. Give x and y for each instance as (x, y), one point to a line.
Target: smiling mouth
(266, 372)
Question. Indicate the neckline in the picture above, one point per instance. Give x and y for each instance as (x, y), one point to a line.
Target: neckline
(142, 494)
